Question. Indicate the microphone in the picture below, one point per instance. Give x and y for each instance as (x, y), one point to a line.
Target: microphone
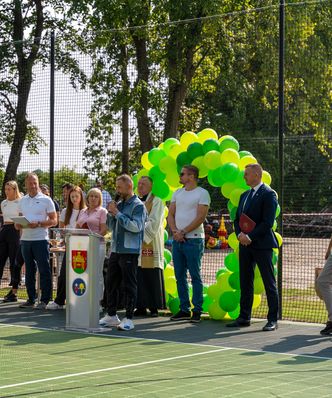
(117, 197)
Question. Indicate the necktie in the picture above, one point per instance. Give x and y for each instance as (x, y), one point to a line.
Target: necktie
(248, 200)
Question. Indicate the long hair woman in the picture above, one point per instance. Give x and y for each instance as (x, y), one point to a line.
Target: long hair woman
(68, 219)
(10, 237)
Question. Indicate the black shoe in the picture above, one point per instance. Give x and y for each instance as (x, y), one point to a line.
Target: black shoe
(10, 297)
(154, 313)
(140, 312)
(180, 316)
(327, 330)
(195, 317)
(27, 304)
(238, 323)
(270, 326)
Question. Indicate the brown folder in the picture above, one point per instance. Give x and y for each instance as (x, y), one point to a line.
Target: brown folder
(246, 223)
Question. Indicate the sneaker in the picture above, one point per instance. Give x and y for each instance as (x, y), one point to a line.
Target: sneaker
(327, 330)
(27, 304)
(10, 297)
(154, 313)
(40, 306)
(54, 306)
(180, 316)
(195, 317)
(126, 324)
(109, 320)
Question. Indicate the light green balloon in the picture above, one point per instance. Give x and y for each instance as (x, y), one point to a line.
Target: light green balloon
(166, 164)
(235, 196)
(199, 163)
(230, 155)
(227, 188)
(212, 160)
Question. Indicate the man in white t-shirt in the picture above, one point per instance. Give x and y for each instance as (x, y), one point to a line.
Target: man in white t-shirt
(187, 212)
(40, 211)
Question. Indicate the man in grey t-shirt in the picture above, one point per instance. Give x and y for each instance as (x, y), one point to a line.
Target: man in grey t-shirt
(187, 212)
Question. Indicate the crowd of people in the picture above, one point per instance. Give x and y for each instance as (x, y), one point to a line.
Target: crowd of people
(134, 267)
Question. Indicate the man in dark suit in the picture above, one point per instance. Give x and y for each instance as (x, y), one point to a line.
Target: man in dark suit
(259, 204)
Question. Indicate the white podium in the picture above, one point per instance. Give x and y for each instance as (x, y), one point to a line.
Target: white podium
(83, 278)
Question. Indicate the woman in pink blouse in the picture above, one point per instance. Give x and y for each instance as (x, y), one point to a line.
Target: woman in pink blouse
(93, 217)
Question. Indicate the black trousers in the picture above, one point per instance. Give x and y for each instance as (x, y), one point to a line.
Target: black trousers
(10, 248)
(249, 257)
(61, 284)
(122, 269)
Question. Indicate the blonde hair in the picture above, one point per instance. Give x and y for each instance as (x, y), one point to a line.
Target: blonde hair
(14, 185)
(96, 191)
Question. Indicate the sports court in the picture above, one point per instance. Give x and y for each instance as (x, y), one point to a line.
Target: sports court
(160, 359)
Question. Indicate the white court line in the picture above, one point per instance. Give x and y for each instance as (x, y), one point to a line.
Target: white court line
(132, 365)
(176, 342)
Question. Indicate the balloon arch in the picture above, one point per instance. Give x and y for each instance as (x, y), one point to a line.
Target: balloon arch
(221, 161)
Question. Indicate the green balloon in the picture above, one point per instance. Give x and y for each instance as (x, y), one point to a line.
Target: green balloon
(210, 145)
(274, 258)
(234, 280)
(228, 301)
(206, 302)
(167, 256)
(229, 171)
(165, 236)
(234, 314)
(230, 206)
(183, 159)
(155, 155)
(229, 142)
(199, 163)
(220, 272)
(156, 174)
(174, 305)
(194, 150)
(160, 189)
(278, 210)
(244, 153)
(217, 176)
(232, 213)
(211, 179)
(169, 143)
(258, 286)
(231, 262)
(240, 181)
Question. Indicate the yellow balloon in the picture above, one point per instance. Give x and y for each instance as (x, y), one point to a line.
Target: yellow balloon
(232, 241)
(266, 177)
(224, 137)
(199, 163)
(212, 160)
(166, 212)
(168, 271)
(230, 156)
(216, 312)
(207, 134)
(145, 161)
(172, 178)
(246, 160)
(257, 300)
(175, 150)
(170, 285)
(188, 138)
(279, 238)
(165, 223)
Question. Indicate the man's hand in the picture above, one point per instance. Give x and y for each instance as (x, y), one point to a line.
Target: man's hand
(244, 239)
(111, 207)
(179, 236)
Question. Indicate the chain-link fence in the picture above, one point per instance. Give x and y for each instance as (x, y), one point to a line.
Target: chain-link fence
(118, 92)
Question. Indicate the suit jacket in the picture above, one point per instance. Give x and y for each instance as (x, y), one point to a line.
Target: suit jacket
(262, 209)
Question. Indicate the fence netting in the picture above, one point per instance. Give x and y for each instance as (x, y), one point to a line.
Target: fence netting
(107, 112)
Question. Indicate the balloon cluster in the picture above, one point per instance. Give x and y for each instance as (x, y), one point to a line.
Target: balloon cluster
(222, 162)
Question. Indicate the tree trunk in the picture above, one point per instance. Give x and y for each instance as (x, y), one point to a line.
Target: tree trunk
(125, 110)
(24, 67)
(143, 82)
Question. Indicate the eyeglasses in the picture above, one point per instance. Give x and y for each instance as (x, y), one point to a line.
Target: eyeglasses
(182, 174)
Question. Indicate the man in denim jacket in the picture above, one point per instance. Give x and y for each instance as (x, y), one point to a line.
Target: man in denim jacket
(126, 220)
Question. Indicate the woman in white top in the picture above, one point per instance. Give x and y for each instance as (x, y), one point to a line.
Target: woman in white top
(9, 236)
(68, 219)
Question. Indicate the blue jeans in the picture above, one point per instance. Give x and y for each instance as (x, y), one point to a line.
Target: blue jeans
(37, 253)
(187, 257)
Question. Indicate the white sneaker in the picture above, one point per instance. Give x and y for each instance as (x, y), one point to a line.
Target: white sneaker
(108, 320)
(54, 306)
(126, 324)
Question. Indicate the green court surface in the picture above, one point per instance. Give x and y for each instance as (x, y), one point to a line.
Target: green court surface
(38, 362)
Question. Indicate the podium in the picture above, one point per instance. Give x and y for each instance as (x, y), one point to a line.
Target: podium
(83, 277)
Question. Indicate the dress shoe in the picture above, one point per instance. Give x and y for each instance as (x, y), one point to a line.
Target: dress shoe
(327, 330)
(270, 326)
(238, 323)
